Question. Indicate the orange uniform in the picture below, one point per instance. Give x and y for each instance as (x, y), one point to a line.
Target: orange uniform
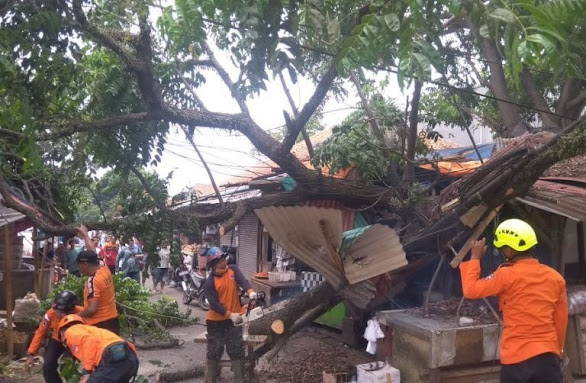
(222, 293)
(50, 321)
(534, 303)
(87, 344)
(101, 286)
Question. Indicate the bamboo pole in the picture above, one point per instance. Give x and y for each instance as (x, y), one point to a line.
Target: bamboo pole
(8, 285)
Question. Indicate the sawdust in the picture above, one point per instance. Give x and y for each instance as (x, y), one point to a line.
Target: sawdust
(309, 368)
(305, 358)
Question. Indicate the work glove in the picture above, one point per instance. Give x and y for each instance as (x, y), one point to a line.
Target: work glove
(252, 296)
(235, 318)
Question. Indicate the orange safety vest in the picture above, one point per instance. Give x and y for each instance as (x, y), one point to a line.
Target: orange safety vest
(534, 303)
(227, 290)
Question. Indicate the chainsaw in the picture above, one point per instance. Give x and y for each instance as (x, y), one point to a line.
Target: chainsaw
(254, 309)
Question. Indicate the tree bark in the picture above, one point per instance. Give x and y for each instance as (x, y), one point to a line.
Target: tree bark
(412, 135)
(510, 114)
(289, 311)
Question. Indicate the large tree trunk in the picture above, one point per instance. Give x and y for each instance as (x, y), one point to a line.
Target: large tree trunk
(290, 310)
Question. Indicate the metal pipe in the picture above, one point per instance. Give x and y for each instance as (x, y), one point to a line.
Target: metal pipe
(437, 269)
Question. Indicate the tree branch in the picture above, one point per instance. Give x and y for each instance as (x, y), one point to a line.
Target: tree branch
(147, 187)
(572, 100)
(309, 108)
(552, 123)
(140, 63)
(226, 78)
(68, 128)
(409, 174)
(510, 114)
(295, 114)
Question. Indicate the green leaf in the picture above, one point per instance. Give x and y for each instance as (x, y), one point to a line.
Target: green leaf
(503, 15)
(392, 21)
(549, 32)
(484, 32)
(542, 40)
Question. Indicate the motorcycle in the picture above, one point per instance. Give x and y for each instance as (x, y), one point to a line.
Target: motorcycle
(192, 285)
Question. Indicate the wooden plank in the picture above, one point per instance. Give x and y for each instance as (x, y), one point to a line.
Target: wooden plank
(475, 235)
(472, 216)
(580, 341)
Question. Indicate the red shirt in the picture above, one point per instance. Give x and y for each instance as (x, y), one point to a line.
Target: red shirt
(109, 252)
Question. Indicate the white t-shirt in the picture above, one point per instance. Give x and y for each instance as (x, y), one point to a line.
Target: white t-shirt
(164, 258)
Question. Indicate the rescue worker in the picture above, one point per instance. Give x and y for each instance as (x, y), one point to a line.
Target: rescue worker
(221, 290)
(99, 296)
(63, 304)
(533, 300)
(104, 356)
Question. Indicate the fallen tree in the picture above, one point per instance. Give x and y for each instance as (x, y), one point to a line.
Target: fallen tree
(94, 89)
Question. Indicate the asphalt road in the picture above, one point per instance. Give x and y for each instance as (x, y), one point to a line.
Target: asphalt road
(187, 356)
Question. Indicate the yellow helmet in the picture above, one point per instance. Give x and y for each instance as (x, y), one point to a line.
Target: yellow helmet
(516, 234)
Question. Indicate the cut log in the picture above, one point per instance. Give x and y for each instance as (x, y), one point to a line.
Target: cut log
(289, 311)
(278, 327)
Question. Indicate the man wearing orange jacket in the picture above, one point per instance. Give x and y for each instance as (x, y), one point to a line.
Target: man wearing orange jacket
(63, 304)
(533, 300)
(104, 356)
(99, 295)
(221, 290)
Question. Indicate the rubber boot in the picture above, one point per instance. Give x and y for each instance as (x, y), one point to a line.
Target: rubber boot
(212, 371)
(238, 368)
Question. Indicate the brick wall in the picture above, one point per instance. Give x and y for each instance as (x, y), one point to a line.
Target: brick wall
(248, 244)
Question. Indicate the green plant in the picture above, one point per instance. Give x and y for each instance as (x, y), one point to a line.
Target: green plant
(137, 312)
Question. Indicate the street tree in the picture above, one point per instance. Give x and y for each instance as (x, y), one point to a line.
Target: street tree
(93, 84)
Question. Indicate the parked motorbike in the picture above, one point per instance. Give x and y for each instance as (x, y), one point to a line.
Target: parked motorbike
(192, 284)
(176, 278)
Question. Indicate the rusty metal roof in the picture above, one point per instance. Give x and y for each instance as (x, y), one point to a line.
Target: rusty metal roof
(561, 196)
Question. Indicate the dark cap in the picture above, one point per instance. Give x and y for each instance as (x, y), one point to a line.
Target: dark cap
(88, 256)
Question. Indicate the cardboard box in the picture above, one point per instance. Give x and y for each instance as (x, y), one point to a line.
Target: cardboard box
(335, 377)
(377, 372)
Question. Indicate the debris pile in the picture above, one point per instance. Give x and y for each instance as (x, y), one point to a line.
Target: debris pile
(309, 367)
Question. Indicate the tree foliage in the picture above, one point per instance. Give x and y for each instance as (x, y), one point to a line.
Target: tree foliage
(87, 85)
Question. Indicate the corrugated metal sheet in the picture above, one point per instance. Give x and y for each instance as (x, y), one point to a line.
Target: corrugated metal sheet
(558, 198)
(298, 230)
(8, 215)
(248, 245)
(373, 251)
(378, 250)
(347, 214)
